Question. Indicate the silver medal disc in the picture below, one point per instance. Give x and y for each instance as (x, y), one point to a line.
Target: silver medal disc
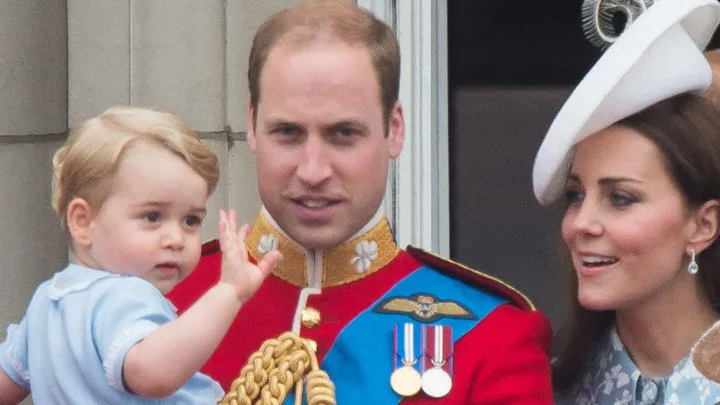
(436, 382)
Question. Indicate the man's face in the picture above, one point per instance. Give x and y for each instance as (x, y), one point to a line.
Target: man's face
(319, 141)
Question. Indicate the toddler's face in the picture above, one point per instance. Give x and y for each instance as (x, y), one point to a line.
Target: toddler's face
(150, 224)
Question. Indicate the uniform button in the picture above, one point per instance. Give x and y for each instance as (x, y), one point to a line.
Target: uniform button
(310, 317)
(649, 391)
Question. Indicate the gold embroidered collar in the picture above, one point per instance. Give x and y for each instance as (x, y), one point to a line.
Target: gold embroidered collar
(357, 258)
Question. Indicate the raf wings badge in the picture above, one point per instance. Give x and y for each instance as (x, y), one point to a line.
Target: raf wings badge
(424, 308)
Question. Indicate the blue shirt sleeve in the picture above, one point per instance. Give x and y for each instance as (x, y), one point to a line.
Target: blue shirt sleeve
(127, 310)
(14, 354)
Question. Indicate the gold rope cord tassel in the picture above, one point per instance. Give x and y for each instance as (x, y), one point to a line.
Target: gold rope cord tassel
(271, 372)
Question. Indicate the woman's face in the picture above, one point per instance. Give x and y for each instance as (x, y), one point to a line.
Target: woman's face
(626, 224)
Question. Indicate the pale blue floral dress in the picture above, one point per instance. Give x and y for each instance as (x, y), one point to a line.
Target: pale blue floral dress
(615, 380)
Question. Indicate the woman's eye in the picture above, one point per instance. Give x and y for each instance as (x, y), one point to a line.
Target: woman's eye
(572, 196)
(622, 198)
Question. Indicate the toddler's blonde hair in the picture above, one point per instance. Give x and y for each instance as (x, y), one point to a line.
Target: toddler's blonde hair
(86, 163)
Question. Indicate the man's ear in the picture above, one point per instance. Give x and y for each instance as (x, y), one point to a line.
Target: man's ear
(396, 131)
(79, 218)
(705, 225)
(252, 140)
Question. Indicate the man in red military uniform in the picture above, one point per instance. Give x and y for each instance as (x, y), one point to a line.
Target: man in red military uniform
(387, 325)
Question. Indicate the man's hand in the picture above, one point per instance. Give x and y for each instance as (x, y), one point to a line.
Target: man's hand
(237, 270)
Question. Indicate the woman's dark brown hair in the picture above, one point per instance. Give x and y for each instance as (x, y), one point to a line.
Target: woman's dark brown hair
(686, 130)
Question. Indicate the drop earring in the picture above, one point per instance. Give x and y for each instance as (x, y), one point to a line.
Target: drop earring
(693, 266)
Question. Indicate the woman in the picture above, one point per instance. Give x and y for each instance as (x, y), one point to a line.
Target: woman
(640, 168)
(642, 200)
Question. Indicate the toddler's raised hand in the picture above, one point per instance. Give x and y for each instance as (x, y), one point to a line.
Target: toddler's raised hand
(237, 270)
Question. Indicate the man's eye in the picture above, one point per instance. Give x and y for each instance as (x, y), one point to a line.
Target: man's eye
(346, 132)
(153, 216)
(287, 130)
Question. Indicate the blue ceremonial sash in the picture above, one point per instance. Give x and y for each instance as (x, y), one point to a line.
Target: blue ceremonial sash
(361, 359)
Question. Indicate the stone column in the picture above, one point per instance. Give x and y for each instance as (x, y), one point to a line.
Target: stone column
(33, 123)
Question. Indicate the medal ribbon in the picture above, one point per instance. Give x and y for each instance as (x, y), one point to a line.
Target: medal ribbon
(438, 347)
(407, 346)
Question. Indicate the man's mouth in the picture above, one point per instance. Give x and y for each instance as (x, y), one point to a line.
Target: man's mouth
(314, 203)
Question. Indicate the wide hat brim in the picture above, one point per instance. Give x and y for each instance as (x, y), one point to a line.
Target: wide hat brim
(657, 57)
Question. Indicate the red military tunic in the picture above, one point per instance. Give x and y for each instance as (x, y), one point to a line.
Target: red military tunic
(501, 360)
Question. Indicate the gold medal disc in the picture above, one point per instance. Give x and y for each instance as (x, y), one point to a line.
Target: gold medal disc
(406, 381)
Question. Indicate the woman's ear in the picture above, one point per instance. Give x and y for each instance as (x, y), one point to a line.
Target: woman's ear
(79, 221)
(705, 231)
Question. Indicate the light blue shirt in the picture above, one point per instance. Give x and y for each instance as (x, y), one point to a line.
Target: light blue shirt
(70, 346)
(614, 379)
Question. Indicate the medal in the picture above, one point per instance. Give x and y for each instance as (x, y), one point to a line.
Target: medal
(436, 379)
(405, 379)
(436, 382)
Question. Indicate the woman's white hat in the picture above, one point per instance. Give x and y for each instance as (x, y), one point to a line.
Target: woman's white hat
(655, 58)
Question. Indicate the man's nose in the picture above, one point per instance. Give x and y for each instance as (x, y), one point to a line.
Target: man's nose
(315, 167)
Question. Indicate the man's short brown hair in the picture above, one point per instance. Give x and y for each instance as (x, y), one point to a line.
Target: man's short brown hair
(334, 20)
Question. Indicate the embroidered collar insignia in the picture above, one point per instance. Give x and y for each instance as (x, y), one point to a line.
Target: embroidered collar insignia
(424, 308)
